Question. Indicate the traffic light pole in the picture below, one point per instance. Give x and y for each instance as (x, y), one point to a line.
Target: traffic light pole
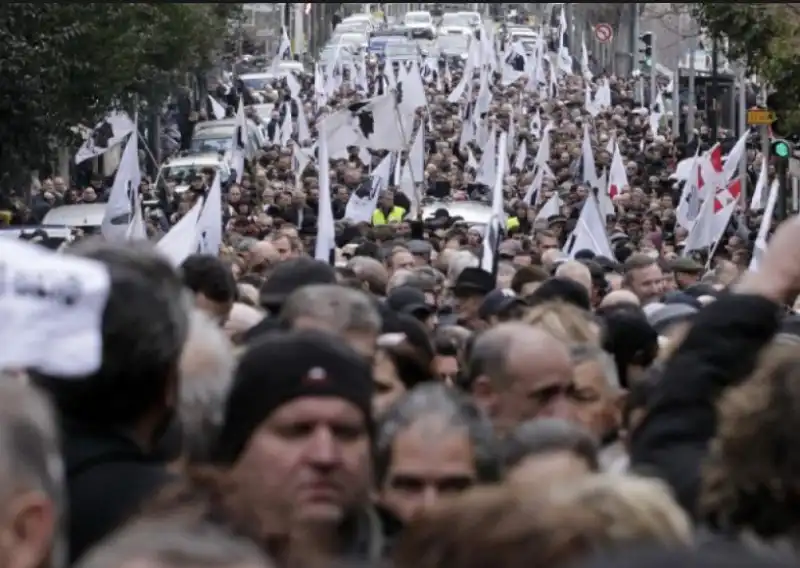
(782, 171)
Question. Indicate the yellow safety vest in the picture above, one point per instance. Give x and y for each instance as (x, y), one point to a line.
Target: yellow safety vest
(512, 223)
(396, 214)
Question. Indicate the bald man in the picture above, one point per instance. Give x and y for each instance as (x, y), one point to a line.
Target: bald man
(620, 297)
(518, 373)
(262, 256)
(577, 272)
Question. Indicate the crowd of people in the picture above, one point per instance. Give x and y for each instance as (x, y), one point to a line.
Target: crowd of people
(401, 405)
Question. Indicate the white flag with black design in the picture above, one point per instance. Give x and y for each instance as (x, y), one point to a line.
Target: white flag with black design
(108, 133)
(491, 239)
(118, 210)
(326, 234)
(364, 200)
(370, 124)
(284, 50)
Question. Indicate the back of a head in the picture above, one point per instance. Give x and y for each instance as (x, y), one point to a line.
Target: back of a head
(458, 262)
(637, 510)
(208, 275)
(502, 526)
(174, 542)
(331, 307)
(542, 436)
(576, 271)
(561, 289)
(207, 367)
(144, 327)
(291, 275)
(564, 321)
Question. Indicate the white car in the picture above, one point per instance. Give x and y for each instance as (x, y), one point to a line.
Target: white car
(463, 19)
(474, 213)
(420, 24)
(455, 30)
(181, 167)
(364, 21)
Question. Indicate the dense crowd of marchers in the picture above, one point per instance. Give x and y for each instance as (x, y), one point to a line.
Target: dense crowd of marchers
(411, 307)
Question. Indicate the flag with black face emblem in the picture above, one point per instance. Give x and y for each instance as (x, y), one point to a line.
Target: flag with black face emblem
(369, 124)
(105, 135)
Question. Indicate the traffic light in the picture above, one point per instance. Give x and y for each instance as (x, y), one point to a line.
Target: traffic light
(781, 149)
(647, 52)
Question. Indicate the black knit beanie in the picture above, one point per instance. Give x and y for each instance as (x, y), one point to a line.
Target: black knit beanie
(282, 367)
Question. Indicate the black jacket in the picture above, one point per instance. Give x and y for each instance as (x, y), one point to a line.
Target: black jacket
(720, 350)
(108, 479)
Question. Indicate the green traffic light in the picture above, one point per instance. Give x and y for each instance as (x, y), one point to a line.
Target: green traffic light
(781, 149)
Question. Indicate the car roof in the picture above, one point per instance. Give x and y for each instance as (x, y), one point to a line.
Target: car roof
(203, 159)
(473, 212)
(80, 215)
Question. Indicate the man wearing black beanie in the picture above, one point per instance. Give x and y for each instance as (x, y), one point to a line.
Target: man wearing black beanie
(296, 438)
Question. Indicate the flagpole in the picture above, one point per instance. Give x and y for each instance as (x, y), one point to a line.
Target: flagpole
(407, 150)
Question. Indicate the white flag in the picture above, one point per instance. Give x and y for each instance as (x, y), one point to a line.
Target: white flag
(216, 108)
(326, 236)
(108, 133)
(209, 225)
(590, 232)
(364, 201)
(137, 230)
(491, 239)
(372, 124)
(181, 240)
(118, 210)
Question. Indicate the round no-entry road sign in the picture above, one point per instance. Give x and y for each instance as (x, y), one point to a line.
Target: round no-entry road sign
(604, 33)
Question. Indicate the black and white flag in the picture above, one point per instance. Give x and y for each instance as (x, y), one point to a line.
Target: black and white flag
(369, 124)
(108, 133)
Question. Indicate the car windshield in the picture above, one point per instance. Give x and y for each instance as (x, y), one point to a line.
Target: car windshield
(216, 142)
(418, 18)
(452, 43)
(181, 172)
(396, 49)
(351, 39)
(259, 83)
(455, 20)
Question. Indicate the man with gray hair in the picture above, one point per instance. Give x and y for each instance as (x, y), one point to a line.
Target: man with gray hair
(174, 542)
(346, 312)
(598, 400)
(433, 443)
(207, 367)
(32, 472)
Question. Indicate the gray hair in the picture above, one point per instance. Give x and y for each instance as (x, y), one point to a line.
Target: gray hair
(458, 262)
(456, 409)
(399, 278)
(31, 454)
(207, 366)
(547, 435)
(174, 542)
(585, 352)
(342, 309)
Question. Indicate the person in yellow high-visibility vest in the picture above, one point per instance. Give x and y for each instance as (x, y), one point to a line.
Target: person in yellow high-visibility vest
(387, 211)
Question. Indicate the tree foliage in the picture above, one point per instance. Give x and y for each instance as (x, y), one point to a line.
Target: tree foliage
(767, 38)
(66, 64)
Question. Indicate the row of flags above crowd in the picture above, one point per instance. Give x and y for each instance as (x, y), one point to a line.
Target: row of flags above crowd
(387, 122)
